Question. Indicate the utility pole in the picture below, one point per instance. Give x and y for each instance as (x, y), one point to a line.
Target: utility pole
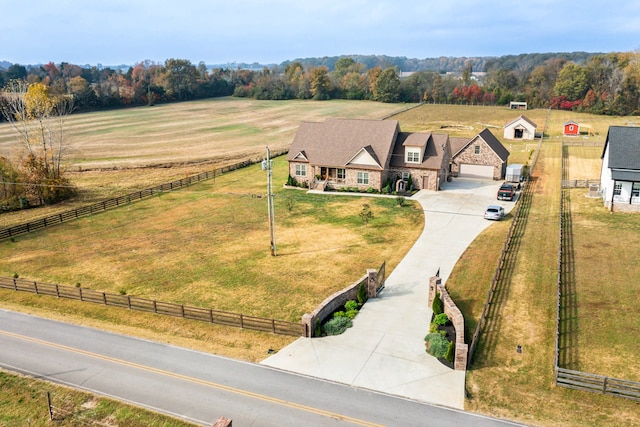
(266, 165)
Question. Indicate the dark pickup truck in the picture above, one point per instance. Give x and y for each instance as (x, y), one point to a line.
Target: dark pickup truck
(506, 192)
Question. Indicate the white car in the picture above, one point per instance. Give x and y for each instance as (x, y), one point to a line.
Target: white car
(494, 212)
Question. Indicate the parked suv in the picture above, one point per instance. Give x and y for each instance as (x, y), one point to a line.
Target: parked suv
(506, 192)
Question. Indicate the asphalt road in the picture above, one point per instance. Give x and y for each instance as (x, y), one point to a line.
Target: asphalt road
(201, 387)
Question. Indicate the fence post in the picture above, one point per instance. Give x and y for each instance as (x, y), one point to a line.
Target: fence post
(49, 407)
(80, 292)
(604, 385)
(104, 298)
(57, 291)
(15, 284)
(273, 325)
(241, 321)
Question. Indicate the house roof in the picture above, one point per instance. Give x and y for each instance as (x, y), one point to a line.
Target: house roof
(433, 156)
(457, 143)
(624, 152)
(522, 117)
(570, 122)
(337, 142)
(491, 141)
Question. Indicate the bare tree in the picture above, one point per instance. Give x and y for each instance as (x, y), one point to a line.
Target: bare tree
(39, 121)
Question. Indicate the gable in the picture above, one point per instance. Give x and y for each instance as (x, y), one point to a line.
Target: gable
(522, 121)
(491, 142)
(364, 157)
(300, 157)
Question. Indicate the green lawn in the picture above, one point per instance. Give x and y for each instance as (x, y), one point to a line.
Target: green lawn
(23, 402)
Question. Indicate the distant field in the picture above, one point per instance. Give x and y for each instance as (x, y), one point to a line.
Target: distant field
(221, 129)
(111, 153)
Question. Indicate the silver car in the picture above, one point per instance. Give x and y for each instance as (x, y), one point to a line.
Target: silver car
(494, 212)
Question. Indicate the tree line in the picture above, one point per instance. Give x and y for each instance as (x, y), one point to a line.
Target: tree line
(597, 83)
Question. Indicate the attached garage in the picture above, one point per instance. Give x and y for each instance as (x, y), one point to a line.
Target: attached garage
(476, 171)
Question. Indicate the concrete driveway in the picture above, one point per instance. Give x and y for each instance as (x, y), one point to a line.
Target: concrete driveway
(384, 350)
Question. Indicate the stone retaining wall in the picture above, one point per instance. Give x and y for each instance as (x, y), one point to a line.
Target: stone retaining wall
(455, 315)
(338, 299)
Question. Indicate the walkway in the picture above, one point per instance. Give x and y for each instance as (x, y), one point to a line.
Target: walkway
(384, 350)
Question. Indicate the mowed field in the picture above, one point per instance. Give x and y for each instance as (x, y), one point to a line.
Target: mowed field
(111, 153)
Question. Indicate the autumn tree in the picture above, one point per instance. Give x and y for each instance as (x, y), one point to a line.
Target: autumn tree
(387, 87)
(180, 78)
(39, 121)
(319, 83)
(572, 82)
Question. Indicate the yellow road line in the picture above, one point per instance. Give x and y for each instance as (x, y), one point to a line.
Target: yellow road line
(196, 380)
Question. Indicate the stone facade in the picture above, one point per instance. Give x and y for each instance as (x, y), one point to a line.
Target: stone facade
(455, 315)
(338, 299)
(434, 178)
(486, 157)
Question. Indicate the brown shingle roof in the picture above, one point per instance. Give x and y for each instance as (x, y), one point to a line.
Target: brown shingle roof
(335, 142)
(457, 143)
(433, 156)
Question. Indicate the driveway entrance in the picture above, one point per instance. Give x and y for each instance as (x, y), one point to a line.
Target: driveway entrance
(384, 350)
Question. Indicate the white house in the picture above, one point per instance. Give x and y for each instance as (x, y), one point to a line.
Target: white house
(620, 176)
(520, 128)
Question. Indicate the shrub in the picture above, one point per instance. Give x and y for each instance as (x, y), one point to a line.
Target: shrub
(450, 354)
(437, 306)
(437, 345)
(433, 327)
(318, 328)
(339, 314)
(351, 305)
(337, 325)
(400, 201)
(441, 319)
(362, 293)
(351, 314)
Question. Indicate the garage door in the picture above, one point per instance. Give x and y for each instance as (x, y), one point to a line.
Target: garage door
(476, 171)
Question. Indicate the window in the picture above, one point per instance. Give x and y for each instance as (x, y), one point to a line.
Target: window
(413, 156)
(476, 149)
(363, 178)
(341, 174)
(617, 189)
(635, 190)
(405, 175)
(301, 170)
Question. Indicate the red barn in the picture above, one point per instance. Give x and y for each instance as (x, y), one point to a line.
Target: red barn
(571, 129)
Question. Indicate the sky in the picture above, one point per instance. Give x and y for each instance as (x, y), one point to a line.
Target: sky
(115, 32)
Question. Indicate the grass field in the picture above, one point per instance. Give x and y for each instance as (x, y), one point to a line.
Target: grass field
(208, 246)
(111, 153)
(26, 405)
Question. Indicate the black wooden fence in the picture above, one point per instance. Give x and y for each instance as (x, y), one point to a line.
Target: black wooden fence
(565, 303)
(218, 317)
(115, 202)
(597, 384)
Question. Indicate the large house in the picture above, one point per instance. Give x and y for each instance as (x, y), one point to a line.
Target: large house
(367, 154)
(620, 175)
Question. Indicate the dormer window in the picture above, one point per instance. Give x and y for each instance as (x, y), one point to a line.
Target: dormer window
(413, 155)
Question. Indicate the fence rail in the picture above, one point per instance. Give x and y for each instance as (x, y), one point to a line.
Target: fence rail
(115, 202)
(280, 327)
(579, 183)
(597, 384)
(566, 377)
